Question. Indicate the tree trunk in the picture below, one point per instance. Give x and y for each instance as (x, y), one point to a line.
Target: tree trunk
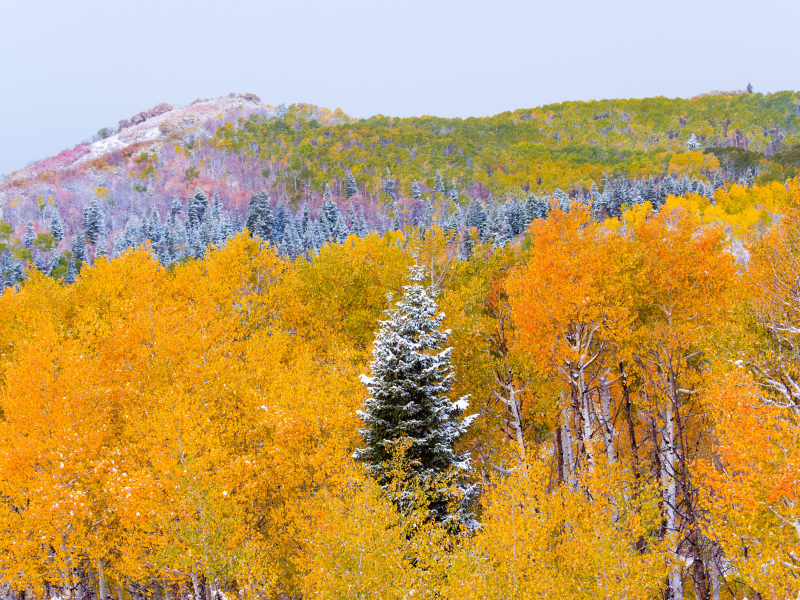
(715, 574)
(568, 465)
(101, 580)
(609, 432)
(198, 595)
(669, 491)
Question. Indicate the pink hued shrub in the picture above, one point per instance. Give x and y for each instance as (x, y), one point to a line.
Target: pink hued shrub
(62, 160)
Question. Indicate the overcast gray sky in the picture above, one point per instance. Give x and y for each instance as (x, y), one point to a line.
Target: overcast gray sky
(69, 68)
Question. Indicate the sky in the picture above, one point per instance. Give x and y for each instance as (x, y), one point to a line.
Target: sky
(69, 68)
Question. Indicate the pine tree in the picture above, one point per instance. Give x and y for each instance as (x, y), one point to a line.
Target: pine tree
(92, 222)
(693, 143)
(56, 228)
(305, 223)
(363, 229)
(439, 184)
(175, 210)
(79, 248)
(389, 186)
(477, 217)
(260, 220)
(29, 237)
(749, 88)
(505, 235)
(454, 189)
(201, 202)
(350, 186)
(467, 245)
(416, 192)
(411, 375)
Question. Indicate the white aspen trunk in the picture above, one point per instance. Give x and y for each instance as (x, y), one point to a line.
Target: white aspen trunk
(609, 432)
(120, 595)
(196, 585)
(67, 574)
(670, 494)
(568, 465)
(101, 580)
(715, 574)
(586, 420)
(167, 591)
(517, 416)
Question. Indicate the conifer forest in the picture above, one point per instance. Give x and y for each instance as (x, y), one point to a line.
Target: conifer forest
(267, 352)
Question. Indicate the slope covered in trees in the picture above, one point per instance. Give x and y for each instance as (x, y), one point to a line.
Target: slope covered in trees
(632, 427)
(140, 181)
(190, 391)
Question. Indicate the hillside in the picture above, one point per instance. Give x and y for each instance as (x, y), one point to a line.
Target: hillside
(138, 183)
(263, 353)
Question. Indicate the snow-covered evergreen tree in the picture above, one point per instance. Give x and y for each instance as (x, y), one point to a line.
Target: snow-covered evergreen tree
(411, 375)
(477, 217)
(56, 228)
(260, 220)
(693, 143)
(29, 237)
(201, 202)
(453, 189)
(416, 192)
(79, 247)
(350, 186)
(438, 186)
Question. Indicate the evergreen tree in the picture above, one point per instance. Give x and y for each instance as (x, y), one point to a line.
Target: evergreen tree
(305, 223)
(416, 192)
(260, 220)
(411, 375)
(175, 210)
(477, 217)
(389, 186)
(29, 237)
(428, 219)
(439, 184)
(505, 235)
(454, 189)
(93, 222)
(350, 185)
(201, 202)
(71, 274)
(56, 228)
(693, 143)
(466, 246)
(79, 248)
(340, 231)
(363, 229)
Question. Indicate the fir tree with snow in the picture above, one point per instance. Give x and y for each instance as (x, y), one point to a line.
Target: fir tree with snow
(416, 192)
(56, 228)
(411, 377)
(350, 185)
(454, 189)
(201, 202)
(29, 237)
(438, 186)
(477, 217)
(693, 143)
(260, 220)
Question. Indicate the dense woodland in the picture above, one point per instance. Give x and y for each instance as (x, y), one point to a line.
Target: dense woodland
(416, 375)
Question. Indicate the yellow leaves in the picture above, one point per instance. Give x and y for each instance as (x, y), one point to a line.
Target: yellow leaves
(101, 192)
(693, 163)
(539, 540)
(753, 486)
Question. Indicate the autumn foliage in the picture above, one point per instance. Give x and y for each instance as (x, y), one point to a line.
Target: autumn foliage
(189, 430)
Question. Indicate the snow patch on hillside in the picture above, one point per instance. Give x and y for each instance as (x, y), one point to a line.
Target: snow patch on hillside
(151, 129)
